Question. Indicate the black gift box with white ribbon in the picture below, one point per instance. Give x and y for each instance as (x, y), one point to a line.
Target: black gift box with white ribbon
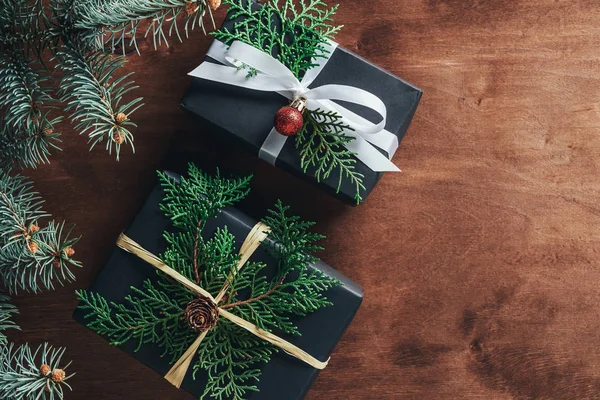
(246, 115)
(284, 377)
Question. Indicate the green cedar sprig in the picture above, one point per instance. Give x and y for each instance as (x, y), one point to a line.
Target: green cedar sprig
(297, 33)
(32, 257)
(229, 355)
(21, 376)
(321, 143)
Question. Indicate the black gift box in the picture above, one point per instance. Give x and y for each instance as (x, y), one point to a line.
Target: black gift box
(247, 115)
(283, 377)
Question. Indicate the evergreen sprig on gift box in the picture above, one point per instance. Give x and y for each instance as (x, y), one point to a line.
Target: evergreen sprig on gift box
(69, 44)
(296, 33)
(32, 257)
(32, 374)
(156, 312)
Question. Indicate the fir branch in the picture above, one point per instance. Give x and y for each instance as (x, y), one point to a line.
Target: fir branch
(27, 147)
(94, 95)
(22, 95)
(116, 22)
(321, 143)
(294, 33)
(7, 310)
(22, 27)
(32, 374)
(77, 33)
(32, 257)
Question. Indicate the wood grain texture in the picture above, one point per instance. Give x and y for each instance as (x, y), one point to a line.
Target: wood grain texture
(480, 261)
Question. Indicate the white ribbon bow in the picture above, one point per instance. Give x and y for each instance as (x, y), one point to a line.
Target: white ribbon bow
(273, 76)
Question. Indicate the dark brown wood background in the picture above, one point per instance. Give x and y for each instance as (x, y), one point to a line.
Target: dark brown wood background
(480, 260)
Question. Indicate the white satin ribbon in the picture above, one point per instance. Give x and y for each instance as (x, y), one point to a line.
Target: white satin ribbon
(273, 76)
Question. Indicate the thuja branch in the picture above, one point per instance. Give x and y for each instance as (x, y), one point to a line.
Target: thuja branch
(294, 32)
(257, 298)
(195, 254)
(322, 143)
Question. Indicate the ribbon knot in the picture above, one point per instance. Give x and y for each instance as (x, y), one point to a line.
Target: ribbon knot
(270, 75)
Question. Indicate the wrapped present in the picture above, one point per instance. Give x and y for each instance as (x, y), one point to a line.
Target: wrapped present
(275, 81)
(218, 304)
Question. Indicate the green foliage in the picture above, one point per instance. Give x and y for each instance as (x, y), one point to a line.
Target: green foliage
(229, 355)
(27, 146)
(116, 22)
(294, 32)
(7, 310)
(93, 96)
(321, 143)
(20, 375)
(79, 36)
(32, 257)
(182, 203)
(297, 34)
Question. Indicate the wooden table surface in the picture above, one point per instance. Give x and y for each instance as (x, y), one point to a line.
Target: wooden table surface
(479, 261)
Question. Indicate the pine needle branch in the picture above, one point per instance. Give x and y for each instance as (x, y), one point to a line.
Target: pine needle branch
(32, 374)
(32, 257)
(7, 310)
(94, 95)
(116, 22)
(26, 132)
(24, 147)
(82, 35)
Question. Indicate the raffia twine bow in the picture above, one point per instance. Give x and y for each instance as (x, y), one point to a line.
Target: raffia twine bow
(256, 236)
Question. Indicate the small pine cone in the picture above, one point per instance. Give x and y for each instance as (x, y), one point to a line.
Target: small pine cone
(32, 247)
(190, 7)
(120, 117)
(214, 4)
(69, 252)
(45, 369)
(33, 228)
(56, 263)
(202, 314)
(119, 137)
(48, 131)
(58, 375)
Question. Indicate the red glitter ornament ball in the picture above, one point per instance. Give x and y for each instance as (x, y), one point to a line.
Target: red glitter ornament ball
(288, 121)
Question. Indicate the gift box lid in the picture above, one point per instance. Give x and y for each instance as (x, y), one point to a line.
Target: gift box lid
(283, 377)
(248, 115)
